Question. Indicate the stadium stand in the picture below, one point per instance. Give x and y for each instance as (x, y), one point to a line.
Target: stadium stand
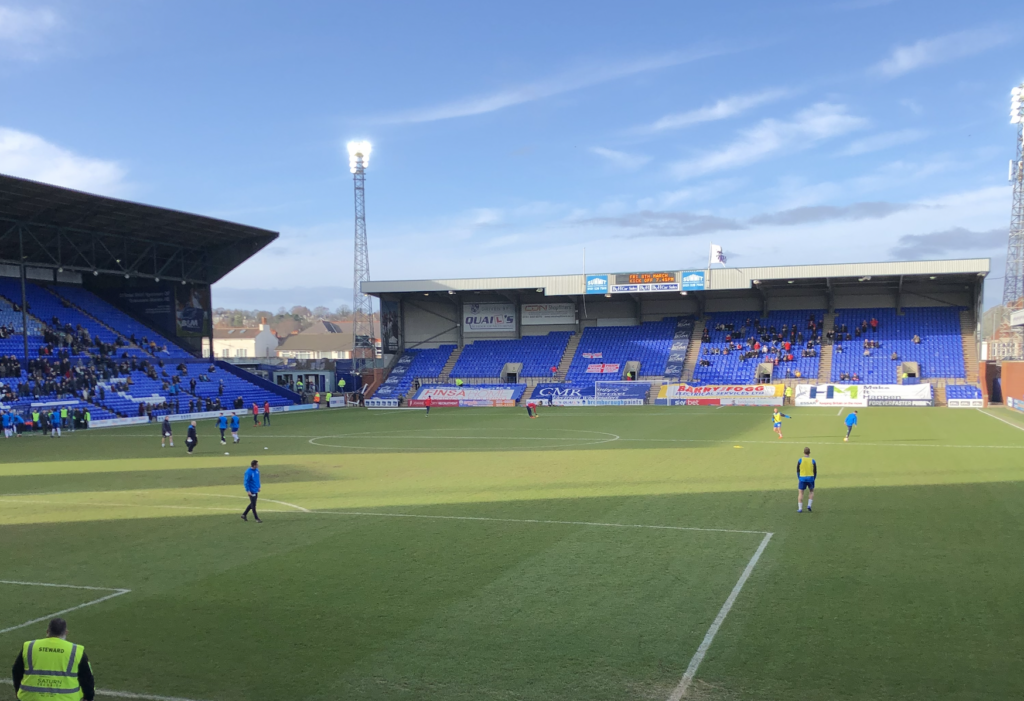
(938, 349)
(485, 359)
(114, 318)
(119, 396)
(414, 364)
(733, 331)
(649, 344)
(963, 392)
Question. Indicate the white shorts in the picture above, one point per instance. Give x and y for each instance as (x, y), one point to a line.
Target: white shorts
(167, 434)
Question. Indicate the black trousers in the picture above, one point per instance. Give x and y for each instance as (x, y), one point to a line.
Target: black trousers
(266, 419)
(252, 506)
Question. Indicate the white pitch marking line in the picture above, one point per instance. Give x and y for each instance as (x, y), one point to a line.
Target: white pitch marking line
(132, 506)
(698, 657)
(997, 418)
(534, 520)
(839, 413)
(116, 593)
(122, 694)
(235, 496)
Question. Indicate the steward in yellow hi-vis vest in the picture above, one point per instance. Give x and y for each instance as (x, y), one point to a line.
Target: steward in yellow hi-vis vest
(52, 668)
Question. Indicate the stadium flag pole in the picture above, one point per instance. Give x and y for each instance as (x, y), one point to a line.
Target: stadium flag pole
(584, 288)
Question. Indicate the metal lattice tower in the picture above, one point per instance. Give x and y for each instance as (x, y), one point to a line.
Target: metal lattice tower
(1013, 282)
(362, 304)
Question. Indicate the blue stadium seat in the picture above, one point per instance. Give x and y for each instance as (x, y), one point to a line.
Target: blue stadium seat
(538, 354)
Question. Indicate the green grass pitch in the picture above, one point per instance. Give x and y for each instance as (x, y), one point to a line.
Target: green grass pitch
(904, 583)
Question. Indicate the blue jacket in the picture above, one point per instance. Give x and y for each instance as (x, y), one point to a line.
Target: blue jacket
(252, 480)
(234, 423)
(851, 419)
(222, 422)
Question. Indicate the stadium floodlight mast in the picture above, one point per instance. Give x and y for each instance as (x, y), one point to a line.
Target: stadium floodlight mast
(1013, 282)
(362, 304)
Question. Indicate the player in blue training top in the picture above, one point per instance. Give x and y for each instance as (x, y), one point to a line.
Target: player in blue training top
(806, 471)
(851, 421)
(777, 417)
(222, 424)
(234, 426)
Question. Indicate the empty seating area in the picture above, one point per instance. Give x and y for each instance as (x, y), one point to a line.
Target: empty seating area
(929, 336)
(962, 392)
(415, 363)
(234, 387)
(608, 346)
(538, 354)
(735, 343)
(12, 319)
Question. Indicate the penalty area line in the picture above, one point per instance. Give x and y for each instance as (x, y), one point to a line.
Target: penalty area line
(122, 694)
(709, 637)
(47, 617)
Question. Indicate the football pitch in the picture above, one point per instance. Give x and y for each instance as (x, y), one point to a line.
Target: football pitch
(615, 553)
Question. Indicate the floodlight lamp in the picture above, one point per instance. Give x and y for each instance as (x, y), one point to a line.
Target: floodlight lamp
(60, 270)
(95, 272)
(359, 150)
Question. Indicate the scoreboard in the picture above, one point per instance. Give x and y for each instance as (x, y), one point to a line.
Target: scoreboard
(645, 282)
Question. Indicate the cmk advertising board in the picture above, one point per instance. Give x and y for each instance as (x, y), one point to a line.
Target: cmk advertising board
(546, 314)
(720, 395)
(489, 318)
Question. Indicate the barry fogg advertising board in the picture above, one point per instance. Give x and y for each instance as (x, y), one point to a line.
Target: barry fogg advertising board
(488, 318)
(863, 395)
(720, 395)
(543, 314)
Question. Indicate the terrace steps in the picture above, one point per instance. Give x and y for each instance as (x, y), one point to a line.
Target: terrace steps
(968, 327)
(567, 356)
(825, 364)
(693, 350)
(449, 365)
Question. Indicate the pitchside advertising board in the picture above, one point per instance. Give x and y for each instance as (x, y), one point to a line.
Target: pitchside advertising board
(864, 395)
(720, 395)
(488, 318)
(967, 403)
(466, 396)
(598, 394)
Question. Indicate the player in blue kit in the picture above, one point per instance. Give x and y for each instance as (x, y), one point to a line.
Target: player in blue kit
(234, 427)
(851, 421)
(222, 424)
(806, 472)
(777, 417)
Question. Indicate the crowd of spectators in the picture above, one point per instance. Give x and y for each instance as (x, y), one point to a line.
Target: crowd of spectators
(753, 340)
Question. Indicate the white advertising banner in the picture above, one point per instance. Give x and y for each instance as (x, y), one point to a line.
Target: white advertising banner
(863, 395)
(467, 393)
(488, 318)
(558, 313)
(109, 423)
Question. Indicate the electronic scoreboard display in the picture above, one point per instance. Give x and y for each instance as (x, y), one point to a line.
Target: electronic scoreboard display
(645, 278)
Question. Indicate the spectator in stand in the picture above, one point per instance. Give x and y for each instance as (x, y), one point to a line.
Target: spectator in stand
(894, 356)
(916, 339)
(874, 325)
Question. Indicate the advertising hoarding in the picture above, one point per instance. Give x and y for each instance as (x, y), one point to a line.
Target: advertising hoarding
(720, 395)
(488, 318)
(541, 314)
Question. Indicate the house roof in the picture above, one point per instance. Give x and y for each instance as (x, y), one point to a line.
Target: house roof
(318, 342)
(236, 333)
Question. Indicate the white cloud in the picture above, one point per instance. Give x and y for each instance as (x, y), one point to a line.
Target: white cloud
(566, 82)
(29, 156)
(621, 159)
(879, 142)
(723, 109)
(939, 50)
(808, 127)
(22, 28)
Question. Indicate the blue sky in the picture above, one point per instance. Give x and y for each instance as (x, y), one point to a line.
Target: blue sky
(508, 137)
